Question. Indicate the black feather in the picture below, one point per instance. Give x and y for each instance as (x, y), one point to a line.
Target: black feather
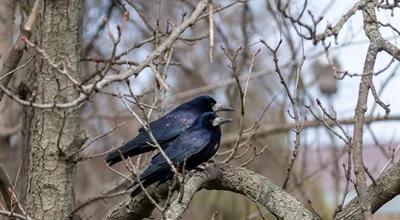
(165, 129)
(193, 147)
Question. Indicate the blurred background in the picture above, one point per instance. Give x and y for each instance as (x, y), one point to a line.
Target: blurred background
(197, 65)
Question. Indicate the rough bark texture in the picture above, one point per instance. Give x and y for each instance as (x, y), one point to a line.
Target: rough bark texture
(362, 102)
(387, 187)
(49, 134)
(220, 177)
(357, 142)
(260, 189)
(194, 184)
(139, 207)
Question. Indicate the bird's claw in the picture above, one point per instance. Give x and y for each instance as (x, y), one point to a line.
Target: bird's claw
(199, 168)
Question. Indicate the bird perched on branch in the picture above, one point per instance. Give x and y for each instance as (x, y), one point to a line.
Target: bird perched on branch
(194, 146)
(167, 128)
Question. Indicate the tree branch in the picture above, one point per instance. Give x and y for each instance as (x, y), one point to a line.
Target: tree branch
(386, 188)
(5, 184)
(140, 206)
(219, 177)
(194, 184)
(15, 55)
(279, 128)
(135, 70)
(12, 215)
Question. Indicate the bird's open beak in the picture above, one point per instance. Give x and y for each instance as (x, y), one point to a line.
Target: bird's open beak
(219, 107)
(219, 121)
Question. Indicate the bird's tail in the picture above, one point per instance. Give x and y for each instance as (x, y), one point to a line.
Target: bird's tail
(136, 190)
(161, 177)
(134, 147)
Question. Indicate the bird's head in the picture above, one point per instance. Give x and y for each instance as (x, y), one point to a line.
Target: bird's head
(211, 119)
(208, 104)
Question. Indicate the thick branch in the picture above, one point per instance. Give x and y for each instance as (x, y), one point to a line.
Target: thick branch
(357, 143)
(371, 30)
(259, 189)
(220, 177)
(139, 207)
(179, 206)
(387, 187)
(88, 89)
(391, 49)
(12, 215)
(334, 30)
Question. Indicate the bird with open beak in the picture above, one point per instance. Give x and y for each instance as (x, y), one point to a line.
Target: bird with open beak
(194, 146)
(167, 128)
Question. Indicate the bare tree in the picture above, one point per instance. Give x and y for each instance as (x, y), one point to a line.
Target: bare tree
(83, 93)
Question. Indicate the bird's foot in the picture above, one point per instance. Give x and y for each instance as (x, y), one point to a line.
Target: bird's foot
(199, 169)
(209, 163)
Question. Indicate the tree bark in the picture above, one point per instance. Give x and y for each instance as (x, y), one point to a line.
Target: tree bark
(387, 187)
(218, 177)
(49, 134)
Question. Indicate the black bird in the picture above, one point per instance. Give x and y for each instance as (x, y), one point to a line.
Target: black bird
(193, 147)
(167, 128)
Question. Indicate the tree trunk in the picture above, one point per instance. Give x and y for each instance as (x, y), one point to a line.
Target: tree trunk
(50, 134)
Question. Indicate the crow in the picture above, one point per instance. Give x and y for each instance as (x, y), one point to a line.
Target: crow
(166, 128)
(194, 146)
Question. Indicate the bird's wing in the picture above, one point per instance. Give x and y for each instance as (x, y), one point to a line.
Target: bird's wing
(185, 146)
(164, 129)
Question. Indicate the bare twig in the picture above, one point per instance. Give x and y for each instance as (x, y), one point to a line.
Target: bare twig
(11, 62)
(5, 184)
(293, 102)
